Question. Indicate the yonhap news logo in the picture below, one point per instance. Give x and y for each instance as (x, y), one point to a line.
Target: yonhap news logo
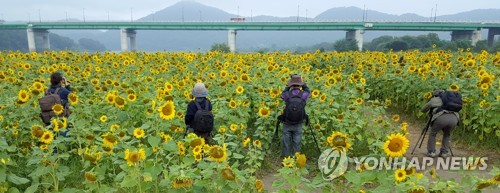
(333, 163)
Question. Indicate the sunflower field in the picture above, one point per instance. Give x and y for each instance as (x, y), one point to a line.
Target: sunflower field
(126, 130)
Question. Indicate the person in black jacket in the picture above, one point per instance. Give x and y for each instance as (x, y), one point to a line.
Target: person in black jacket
(200, 93)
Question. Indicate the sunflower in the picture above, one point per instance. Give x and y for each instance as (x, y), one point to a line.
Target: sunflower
(257, 143)
(197, 142)
(338, 139)
(131, 97)
(301, 160)
(134, 157)
(396, 145)
(166, 138)
(139, 133)
(227, 174)
(23, 96)
(246, 141)
(454, 87)
(222, 130)
(432, 172)
(73, 98)
(198, 157)
(288, 162)
(110, 97)
(484, 86)
(181, 149)
(496, 179)
(119, 101)
(315, 93)
(167, 110)
(47, 137)
(109, 140)
(417, 189)
(44, 147)
(483, 184)
(181, 182)
(217, 153)
(58, 109)
(233, 127)
(106, 149)
(410, 171)
(400, 175)
(90, 177)
(197, 150)
(359, 101)
(387, 102)
(239, 89)
(36, 131)
(232, 104)
(114, 127)
(395, 118)
(259, 185)
(104, 118)
(264, 112)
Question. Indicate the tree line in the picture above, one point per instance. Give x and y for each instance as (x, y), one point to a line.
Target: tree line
(421, 42)
(18, 40)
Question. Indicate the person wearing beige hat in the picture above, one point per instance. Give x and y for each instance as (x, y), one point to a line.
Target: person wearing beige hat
(199, 117)
(294, 114)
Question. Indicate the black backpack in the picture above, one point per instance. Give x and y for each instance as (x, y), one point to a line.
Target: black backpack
(203, 119)
(452, 101)
(295, 109)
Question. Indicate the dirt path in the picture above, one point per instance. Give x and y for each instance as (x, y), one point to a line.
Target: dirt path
(415, 128)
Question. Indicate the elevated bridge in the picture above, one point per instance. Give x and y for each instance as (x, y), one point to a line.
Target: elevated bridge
(355, 30)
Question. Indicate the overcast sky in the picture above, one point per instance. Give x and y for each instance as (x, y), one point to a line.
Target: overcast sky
(16, 10)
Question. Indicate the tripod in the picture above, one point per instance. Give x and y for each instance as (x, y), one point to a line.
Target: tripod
(422, 135)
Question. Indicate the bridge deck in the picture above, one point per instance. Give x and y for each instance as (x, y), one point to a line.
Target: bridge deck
(260, 26)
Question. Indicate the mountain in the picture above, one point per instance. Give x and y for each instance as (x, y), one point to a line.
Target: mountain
(179, 40)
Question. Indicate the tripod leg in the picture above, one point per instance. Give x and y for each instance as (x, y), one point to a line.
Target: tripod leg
(420, 139)
(314, 137)
(451, 151)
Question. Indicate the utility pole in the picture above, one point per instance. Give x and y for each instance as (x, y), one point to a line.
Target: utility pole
(131, 16)
(29, 17)
(66, 16)
(306, 14)
(108, 15)
(435, 12)
(83, 14)
(298, 12)
(39, 16)
(153, 13)
(182, 14)
(432, 11)
(251, 15)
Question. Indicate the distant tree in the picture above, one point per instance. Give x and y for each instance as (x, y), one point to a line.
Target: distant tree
(345, 45)
(91, 45)
(222, 47)
(13, 40)
(495, 47)
(58, 42)
(375, 43)
(397, 45)
(480, 46)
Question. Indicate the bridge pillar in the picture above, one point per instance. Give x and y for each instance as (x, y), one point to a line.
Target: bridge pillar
(31, 40)
(491, 35)
(45, 39)
(33, 34)
(356, 35)
(231, 40)
(473, 35)
(127, 35)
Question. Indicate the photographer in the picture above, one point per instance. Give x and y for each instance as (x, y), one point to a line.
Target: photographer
(57, 82)
(441, 119)
(294, 114)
